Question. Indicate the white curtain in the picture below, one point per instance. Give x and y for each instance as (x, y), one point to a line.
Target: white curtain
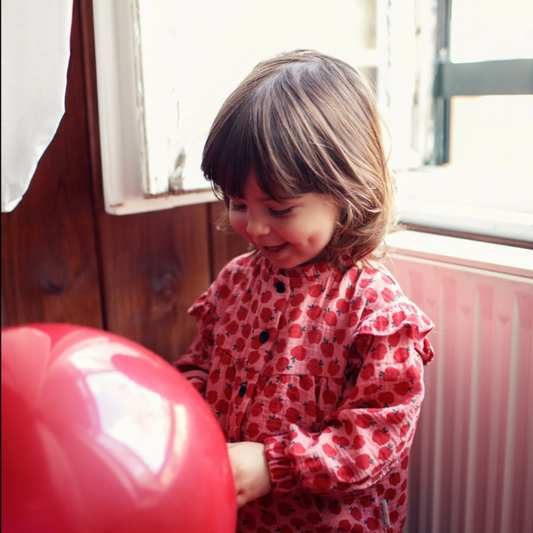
(35, 56)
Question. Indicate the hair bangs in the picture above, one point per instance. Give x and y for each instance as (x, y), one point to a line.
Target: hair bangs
(235, 148)
(254, 133)
(228, 154)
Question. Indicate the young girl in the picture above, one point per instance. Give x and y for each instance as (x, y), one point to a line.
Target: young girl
(308, 353)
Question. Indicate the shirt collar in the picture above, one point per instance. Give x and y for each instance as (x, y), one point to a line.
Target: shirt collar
(313, 270)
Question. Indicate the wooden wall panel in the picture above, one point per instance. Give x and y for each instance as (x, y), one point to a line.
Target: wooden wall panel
(155, 265)
(49, 260)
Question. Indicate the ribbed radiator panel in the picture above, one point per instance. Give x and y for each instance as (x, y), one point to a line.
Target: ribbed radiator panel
(471, 466)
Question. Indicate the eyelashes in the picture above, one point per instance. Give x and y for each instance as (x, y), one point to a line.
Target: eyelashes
(272, 212)
(282, 213)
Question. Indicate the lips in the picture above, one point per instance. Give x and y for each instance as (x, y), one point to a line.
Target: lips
(274, 249)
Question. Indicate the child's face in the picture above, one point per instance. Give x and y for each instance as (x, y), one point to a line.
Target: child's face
(291, 233)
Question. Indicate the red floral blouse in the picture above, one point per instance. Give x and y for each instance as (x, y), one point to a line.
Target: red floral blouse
(324, 366)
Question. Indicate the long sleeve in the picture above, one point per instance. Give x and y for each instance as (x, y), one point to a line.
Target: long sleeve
(195, 363)
(366, 438)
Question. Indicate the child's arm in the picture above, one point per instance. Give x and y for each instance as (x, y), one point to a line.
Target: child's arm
(195, 363)
(369, 436)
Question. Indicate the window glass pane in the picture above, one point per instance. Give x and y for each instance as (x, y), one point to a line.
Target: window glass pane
(492, 132)
(483, 30)
(192, 59)
(491, 135)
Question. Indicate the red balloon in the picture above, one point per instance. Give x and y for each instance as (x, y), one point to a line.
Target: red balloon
(100, 435)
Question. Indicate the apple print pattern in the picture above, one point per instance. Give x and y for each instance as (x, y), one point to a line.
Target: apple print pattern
(324, 366)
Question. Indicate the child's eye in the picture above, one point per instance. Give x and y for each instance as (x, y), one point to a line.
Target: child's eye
(281, 213)
(237, 207)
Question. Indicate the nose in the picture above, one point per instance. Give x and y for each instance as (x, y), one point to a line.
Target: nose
(256, 226)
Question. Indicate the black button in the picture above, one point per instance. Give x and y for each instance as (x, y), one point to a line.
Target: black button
(264, 336)
(242, 390)
(280, 286)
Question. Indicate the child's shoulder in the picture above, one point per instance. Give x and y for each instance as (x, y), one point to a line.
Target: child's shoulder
(235, 273)
(241, 268)
(385, 307)
(374, 276)
(241, 263)
(376, 285)
(377, 273)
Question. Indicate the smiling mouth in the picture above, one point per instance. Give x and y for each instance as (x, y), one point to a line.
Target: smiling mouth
(274, 249)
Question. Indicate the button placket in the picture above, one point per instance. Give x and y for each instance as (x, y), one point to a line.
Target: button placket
(269, 336)
(268, 333)
(241, 404)
(241, 414)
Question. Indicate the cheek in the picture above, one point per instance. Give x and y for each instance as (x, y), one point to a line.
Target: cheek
(238, 222)
(318, 229)
(334, 218)
(321, 234)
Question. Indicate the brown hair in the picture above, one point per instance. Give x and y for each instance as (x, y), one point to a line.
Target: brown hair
(307, 122)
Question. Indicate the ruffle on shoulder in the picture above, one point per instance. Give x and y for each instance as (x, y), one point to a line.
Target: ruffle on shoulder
(203, 310)
(402, 317)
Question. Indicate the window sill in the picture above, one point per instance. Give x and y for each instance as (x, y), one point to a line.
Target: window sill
(506, 260)
(140, 204)
(466, 201)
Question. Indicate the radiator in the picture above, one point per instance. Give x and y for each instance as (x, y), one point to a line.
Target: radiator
(471, 467)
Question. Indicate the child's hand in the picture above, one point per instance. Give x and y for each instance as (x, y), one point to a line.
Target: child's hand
(250, 471)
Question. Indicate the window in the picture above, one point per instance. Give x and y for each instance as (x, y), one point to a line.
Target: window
(454, 83)
(472, 168)
(484, 49)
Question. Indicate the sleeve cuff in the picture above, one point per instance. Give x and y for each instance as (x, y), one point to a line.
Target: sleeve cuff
(281, 474)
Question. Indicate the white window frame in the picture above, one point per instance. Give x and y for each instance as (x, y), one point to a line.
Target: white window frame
(121, 147)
